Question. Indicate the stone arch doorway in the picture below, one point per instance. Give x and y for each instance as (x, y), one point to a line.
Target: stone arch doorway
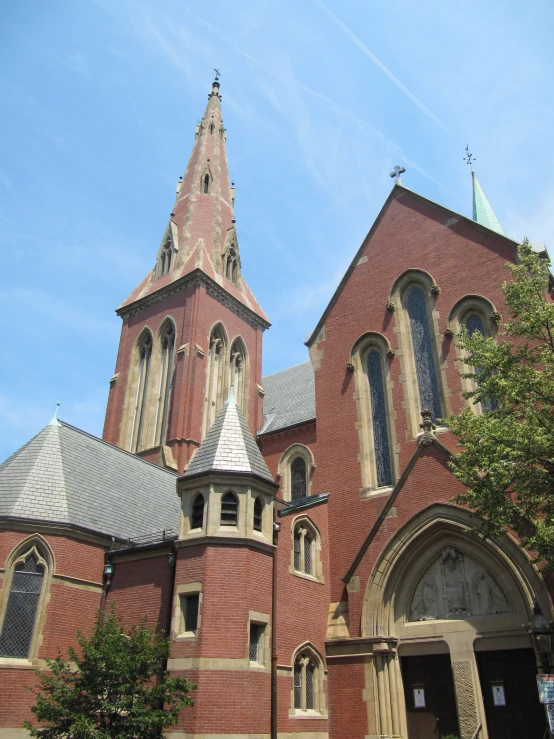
(448, 606)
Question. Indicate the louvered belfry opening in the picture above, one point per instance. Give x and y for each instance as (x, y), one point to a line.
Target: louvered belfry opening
(197, 517)
(229, 510)
(21, 613)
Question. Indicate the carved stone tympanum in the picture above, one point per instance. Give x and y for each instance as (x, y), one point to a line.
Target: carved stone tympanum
(456, 586)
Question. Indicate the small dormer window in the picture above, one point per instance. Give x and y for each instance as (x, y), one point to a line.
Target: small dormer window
(231, 266)
(165, 258)
(206, 184)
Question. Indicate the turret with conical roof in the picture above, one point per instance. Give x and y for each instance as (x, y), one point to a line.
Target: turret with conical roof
(192, 327)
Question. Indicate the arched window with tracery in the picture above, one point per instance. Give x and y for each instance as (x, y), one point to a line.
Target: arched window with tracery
(22, 608)
(229, 510)
(379, 423)
(141, 399)
(306, 549)
(307, 682)
(238, 374)
(197, 512)
(167, 346)
(298, 479)
(166, 258)
(216, 377)
(423, 352)
(231, 265)
(474, 322)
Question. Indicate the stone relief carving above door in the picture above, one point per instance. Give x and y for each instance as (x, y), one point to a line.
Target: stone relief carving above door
(456, 586)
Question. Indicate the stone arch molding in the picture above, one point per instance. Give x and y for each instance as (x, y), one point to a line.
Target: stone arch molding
(491, 584)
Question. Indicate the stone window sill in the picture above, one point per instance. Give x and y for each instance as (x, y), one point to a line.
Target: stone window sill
(309, 714)
(22, 664)
(304, 576)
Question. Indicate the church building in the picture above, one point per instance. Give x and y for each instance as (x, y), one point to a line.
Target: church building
(294, 535)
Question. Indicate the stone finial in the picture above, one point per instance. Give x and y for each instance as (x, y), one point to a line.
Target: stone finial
(427, 426)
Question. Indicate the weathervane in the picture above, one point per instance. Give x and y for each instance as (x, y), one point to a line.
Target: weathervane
(216, 74)
(396, 174)
(469, 158)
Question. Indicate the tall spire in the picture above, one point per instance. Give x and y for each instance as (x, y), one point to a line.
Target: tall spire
(482, 209)
(201, 231)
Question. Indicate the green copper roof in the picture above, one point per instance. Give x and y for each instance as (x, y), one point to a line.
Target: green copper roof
(482, 209)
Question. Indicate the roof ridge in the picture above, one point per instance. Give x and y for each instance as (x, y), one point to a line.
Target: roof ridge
(117, 448)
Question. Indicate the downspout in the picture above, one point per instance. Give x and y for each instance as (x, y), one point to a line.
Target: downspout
(276, 528)
(107, 575)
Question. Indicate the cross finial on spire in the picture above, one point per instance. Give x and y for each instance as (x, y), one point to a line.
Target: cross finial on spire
(396, 174)
(217, 74)
(469, 158)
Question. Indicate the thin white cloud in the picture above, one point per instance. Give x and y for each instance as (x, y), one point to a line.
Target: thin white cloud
(360, 44)
(6, 182)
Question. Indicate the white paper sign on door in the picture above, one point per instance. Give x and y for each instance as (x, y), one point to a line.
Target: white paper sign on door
(419, 698)
(498, 695)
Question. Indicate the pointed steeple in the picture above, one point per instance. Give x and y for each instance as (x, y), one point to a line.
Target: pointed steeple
(482, 209)
(201, 231)
(229, 446)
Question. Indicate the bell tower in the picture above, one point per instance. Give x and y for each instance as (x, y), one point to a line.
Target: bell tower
(192, 327)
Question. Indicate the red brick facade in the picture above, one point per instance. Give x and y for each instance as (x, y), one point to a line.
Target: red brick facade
(366, 537)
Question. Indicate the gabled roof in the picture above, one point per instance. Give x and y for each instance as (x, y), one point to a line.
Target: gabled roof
(397, 192)
(229, 447)
(66, 476)
(289, 398)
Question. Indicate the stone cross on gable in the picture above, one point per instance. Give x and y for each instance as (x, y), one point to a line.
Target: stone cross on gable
(396, 174)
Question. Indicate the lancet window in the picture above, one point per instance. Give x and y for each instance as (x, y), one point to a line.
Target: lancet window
(231, 266)
(197, 512)
(166, 375)
(474, 323)
(424, 356)
(166, 258)
(377, 393)
(258, 514)
(238, 374)
(298, 479)
(306, 550)
(22, 607)
(307, 682)
(144, 359)
(206, 184)
(215, 380)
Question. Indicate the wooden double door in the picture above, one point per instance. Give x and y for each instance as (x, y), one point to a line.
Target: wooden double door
(508, 686)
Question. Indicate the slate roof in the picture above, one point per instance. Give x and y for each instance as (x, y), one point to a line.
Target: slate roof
(64, 475)
(229, 447)
(289, 398)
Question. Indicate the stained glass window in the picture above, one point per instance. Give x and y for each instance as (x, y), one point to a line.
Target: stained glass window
(379, 418)
(423, 352)
(21, 612)
(298, 479)
(474, 323)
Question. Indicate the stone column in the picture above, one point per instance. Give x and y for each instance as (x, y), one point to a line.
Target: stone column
(469, 700)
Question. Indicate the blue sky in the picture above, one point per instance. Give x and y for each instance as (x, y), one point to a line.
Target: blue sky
(320, 98)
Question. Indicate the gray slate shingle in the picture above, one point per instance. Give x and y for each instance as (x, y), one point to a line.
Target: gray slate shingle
(65, 475)
(229, 446)
(289, 397)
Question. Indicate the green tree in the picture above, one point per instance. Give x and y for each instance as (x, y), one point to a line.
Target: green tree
(112, 686)
(507, 453)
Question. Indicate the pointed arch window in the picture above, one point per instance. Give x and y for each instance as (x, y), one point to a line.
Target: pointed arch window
(215, 379)
(229, 510)
(22, 607)
(381, 445)
(307, 683)
(258, 514)
(166, 258)
(474, 323)
(139, 419)
(298, 479)
(197, 512)
(424, 356)
(167, 341)
(238, 375)
(231, 265)
(206, 184)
